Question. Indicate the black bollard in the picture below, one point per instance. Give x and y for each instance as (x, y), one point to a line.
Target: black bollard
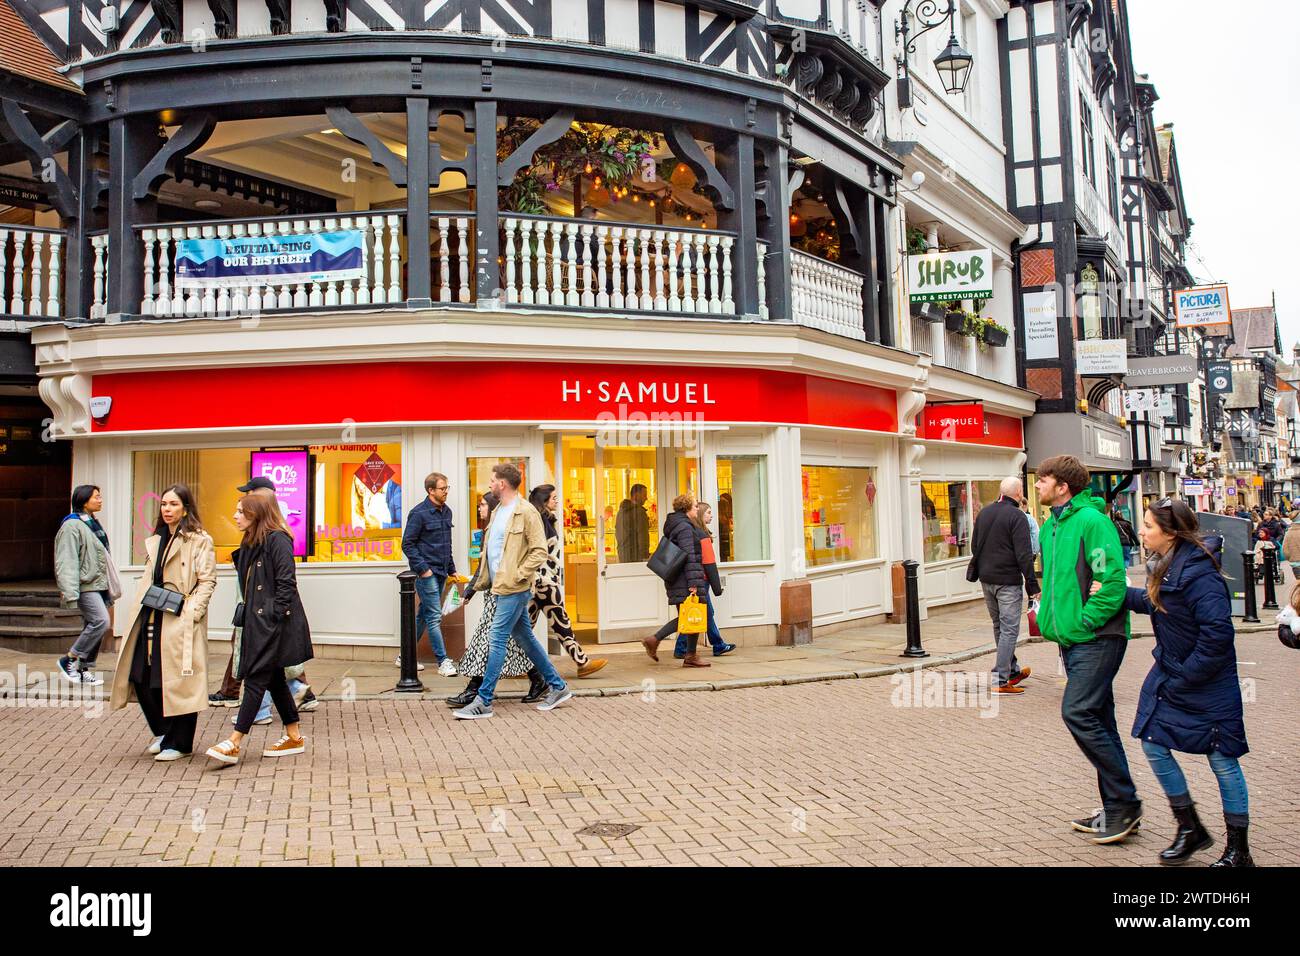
(409, 682)
(1270, 587)
(912, 589)
(1248, 565)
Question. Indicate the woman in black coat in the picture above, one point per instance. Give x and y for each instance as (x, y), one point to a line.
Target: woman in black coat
(1191, 699)
(680, 530)
(274, 631)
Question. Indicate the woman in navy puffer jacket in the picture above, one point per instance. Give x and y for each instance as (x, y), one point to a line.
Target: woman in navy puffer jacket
(1191, 700)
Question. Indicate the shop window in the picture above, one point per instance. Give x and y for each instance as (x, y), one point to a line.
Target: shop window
(341, 502)
(839, 514)
(742, 508)
(631, 505)
(946, 519)
(479, 478)
(986, 492)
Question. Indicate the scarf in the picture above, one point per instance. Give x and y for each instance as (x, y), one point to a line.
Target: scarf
(92, 523)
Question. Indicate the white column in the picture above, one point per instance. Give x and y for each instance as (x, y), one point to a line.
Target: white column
(1004, 313)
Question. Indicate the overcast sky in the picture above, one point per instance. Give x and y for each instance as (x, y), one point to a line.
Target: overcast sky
(1229, 81)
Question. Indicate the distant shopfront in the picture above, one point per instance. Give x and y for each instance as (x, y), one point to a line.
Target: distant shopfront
(969, 452)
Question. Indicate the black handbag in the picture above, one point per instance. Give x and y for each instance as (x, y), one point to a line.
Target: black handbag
(668, 559)
(238, 619)
(161, 599)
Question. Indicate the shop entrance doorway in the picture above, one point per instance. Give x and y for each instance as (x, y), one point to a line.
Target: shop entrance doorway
(613, 501)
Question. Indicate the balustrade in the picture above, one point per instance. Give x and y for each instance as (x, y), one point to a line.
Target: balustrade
(826, 296)
(31, 276)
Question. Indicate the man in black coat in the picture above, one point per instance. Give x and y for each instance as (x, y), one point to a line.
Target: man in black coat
(1002, 560)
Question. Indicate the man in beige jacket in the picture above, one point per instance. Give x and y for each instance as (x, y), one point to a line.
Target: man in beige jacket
(514, 550)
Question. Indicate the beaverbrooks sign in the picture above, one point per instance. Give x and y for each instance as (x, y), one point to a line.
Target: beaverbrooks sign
(945, 276)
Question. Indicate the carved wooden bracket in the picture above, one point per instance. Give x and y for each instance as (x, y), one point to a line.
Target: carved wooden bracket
(40, 151)
(847, 223)
(166, 163)
(548, 132)
(346, 123)
(224, 15)
(168, 13)
(335, 14)
(279, 10)
(468, 166)
(714, 184)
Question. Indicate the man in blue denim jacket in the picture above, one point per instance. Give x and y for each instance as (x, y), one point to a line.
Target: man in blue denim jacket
(426, 542)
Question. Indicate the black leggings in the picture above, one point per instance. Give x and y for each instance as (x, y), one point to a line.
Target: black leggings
(255, 687)
(177, 732)
(669, 629)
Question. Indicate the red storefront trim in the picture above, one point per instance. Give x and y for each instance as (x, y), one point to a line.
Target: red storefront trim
(449, 391)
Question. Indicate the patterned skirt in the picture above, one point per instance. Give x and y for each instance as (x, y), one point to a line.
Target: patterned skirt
(474, 663)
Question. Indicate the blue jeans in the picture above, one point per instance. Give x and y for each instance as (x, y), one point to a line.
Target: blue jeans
(1088, 709)
(264, 712)
(511, 623)
(430, 591)
(715, 635)
(1232, 782)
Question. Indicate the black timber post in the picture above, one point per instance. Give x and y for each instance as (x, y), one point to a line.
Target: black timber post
(132, 142)
(774, 228)
(865, 213)
(881, 217)
(419, 283)
(78, 260)
(736, 163)
(487, 270)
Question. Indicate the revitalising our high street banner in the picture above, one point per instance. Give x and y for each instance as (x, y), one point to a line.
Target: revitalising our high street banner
(273, 260)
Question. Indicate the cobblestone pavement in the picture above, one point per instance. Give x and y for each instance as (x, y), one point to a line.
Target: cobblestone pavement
(806, 774)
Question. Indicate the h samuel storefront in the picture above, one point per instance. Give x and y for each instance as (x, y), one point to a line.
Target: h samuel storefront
(819, 456)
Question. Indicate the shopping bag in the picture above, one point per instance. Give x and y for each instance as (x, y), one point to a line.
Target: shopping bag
(692, 616)
(1033, 620)
(454, 599)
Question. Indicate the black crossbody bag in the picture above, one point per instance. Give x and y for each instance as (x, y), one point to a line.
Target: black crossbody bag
(163, 599)
(238, 619)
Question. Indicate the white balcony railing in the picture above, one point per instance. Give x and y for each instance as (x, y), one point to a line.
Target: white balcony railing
(31, 278)
(826, 296)
(623, 267)
(381, 255)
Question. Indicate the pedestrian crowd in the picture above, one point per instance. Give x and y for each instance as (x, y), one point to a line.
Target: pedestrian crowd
(1190, 701)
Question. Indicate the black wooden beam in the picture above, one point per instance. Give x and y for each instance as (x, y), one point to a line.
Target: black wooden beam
(736, 160)
(166, 163)
(419, 282)
(347, 123)
(688, 151)
(39, 151)
(132, 142)
(487, 244)
(547, 133)
(774, 226)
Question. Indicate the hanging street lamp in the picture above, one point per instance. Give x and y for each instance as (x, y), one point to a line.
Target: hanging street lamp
(953, 64)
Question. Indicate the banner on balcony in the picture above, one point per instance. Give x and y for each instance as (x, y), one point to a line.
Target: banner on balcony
(269, 260)
(948, 276)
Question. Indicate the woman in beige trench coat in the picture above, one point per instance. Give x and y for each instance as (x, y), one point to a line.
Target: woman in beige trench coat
(163, 664)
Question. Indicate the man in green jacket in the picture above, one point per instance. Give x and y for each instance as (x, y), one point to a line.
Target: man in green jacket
(1081, 546)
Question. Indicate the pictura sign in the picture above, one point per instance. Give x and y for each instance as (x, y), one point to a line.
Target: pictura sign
(1203, 305)
(944, 276)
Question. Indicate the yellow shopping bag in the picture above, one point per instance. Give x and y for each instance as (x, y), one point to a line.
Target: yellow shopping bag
(692, 616)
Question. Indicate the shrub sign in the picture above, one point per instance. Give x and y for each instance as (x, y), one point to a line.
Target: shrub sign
(950, 276)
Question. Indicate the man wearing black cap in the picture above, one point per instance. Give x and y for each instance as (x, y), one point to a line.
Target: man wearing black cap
(228, 694)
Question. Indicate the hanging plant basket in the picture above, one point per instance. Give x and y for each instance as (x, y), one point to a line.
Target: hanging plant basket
(954, 321)
(995, 337)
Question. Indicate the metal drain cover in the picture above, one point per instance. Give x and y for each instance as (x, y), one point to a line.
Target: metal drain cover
(608, 829)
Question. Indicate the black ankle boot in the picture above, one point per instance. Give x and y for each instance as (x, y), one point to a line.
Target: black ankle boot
(536, 687)
(467, 695)
(1237, 852)
(1191, 836)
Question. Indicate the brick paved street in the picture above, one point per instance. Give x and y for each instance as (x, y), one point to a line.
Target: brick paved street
(804, 774)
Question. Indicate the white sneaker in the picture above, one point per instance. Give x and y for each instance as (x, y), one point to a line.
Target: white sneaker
(155, 748)
(418, 665)
(447, 668)
(91, 678)
(257, 723)
(166, 755)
